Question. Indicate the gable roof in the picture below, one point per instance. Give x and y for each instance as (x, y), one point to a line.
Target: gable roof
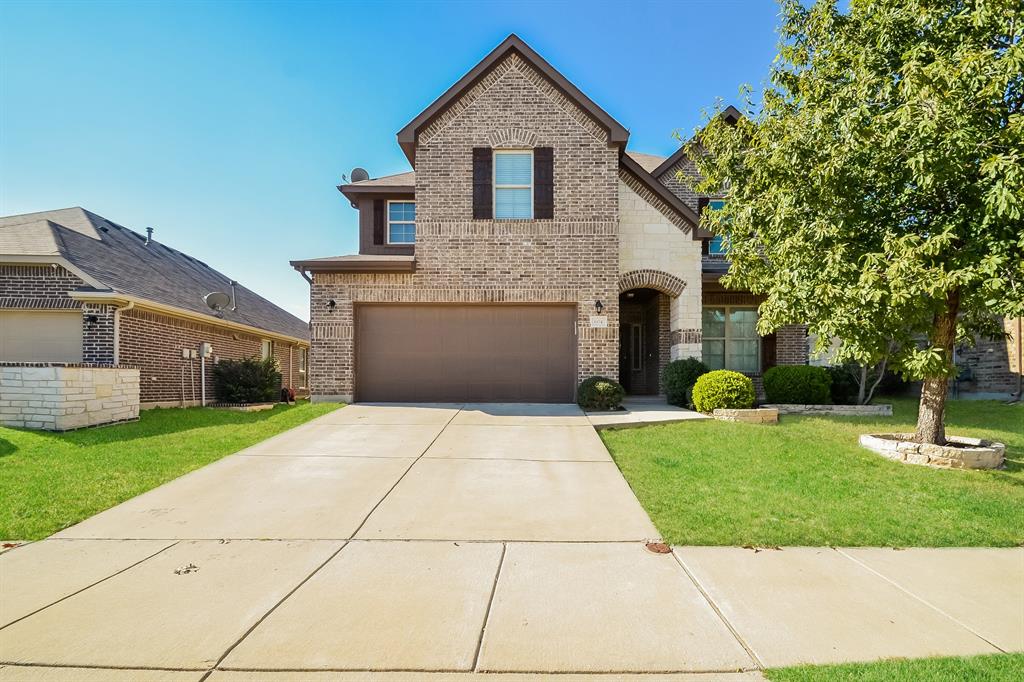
(119, 260)
(627, 163)
(399, 183)
(731, 115)
(407, 135)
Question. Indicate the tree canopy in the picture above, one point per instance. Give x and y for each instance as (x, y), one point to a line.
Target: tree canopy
(878, 193)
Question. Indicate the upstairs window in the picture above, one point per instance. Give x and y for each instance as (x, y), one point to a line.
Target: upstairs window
(715, 245)
(513, 185)
(401, 222)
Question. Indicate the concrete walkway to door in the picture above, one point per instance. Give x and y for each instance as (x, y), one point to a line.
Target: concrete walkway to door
(439, 541)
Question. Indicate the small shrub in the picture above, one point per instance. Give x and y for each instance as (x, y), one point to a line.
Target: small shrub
(600, 393)
(723, 389)
(246, 381)
(799, 384)
(844, 386)
(678, 379)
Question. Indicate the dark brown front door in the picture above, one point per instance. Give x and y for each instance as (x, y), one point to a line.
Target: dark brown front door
(465, 353)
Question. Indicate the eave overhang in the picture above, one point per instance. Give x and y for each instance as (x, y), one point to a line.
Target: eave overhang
(353, 192)
(356, 264)
(662, 192)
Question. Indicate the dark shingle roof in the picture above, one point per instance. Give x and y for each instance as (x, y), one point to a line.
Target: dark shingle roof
(121, 260)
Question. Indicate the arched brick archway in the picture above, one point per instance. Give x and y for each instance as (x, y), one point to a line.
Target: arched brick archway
(651, 279)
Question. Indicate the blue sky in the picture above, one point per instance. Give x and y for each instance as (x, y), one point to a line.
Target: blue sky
(226, 126)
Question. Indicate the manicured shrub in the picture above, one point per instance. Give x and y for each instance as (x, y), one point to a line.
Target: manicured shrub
(600, 393)
(723, 389)
(799, 384)
(844, 386)
(678, 379)
(246, 381)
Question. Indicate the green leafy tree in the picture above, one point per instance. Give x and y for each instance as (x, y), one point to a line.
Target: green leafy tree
(878, 194)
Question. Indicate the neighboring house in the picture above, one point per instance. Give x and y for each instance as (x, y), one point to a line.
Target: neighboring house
(78, 288)
(528, 250)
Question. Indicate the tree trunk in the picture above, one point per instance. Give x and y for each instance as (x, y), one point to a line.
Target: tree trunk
(862, 385)
(931, 427)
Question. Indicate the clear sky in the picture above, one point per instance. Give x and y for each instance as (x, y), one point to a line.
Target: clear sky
(226, 126)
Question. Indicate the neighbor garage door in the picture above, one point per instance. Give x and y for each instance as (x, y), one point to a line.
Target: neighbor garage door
(465, 353)
(36, 336)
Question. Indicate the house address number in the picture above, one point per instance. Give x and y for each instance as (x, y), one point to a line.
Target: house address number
(599, 321)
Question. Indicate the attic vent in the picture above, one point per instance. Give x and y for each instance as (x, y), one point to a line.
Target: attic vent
(104, 229)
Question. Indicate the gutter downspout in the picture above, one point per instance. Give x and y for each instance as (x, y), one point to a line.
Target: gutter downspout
(117, 330)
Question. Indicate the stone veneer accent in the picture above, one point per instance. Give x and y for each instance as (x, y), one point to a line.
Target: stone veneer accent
(572, 258)
(656, 252)
(833, 410)
(59, 398)
(757, 415)
(973, 453)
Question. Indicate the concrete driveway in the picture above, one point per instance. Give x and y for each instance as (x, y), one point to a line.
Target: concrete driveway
(445, 539)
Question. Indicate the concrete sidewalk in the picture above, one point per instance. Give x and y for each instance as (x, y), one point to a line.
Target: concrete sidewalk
(446, 541)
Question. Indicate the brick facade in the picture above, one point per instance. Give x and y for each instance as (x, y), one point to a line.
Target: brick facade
(150, 341)
(994, 365)
(572, 258)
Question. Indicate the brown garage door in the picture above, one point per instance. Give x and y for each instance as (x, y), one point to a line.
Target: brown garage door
(472, 353)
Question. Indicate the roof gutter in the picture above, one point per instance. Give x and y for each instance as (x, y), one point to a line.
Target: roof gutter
(114, 298)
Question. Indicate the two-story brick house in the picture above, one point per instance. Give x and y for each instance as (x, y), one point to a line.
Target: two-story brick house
(527, 251)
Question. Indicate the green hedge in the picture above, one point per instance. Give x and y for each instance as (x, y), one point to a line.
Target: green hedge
(798, 384)
(723, 389)
(246, 381)
(600, 393)
(678, 379)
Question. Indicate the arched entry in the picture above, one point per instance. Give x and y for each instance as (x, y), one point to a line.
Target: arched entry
(645, 299)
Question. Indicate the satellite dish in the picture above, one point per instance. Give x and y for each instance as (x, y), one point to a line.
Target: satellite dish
(359, 174)
(217, 300)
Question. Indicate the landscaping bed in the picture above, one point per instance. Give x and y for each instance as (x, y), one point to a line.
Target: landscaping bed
(49, 481)
(807, 481)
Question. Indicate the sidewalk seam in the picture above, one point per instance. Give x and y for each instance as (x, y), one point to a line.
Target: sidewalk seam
(93, 584)
(273, 608)
(707, 597)
(920, 599)
(487, 611)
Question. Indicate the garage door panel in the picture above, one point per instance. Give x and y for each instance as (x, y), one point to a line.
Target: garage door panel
(500, 353)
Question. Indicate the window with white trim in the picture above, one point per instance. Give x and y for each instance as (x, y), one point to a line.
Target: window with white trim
(513, 184)
(303, 360)
(266, 349)
(401, 222)
(730, 339)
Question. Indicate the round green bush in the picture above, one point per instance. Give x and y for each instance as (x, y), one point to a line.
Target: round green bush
(600, 393)
(798, 384)
(723, 389)
(678, 378)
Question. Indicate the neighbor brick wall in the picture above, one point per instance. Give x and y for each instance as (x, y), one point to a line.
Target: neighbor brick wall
(153, 342)
(994, 364)
(572, 258)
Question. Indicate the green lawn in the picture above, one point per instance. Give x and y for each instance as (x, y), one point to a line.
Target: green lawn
(993, 668)
(806, 481)
(49, 481)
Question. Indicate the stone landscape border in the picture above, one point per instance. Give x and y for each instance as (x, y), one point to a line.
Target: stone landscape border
(833, 410)
(969, 453)
(757, 415)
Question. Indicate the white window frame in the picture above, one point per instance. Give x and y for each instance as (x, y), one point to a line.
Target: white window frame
(266, 348)
(494, 182)
(728, 337)
(389, 222)
(303, 366)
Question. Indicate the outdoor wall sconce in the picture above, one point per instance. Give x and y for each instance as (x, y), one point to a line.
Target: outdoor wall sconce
(92, 319)
(599, 306)
(331, 304)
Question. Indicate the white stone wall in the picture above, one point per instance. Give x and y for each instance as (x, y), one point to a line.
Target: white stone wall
(649, 241)
(59, 398)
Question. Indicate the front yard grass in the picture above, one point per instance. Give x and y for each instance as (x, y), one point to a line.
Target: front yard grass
(994, 668)
(49, 481)
(806, 481)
